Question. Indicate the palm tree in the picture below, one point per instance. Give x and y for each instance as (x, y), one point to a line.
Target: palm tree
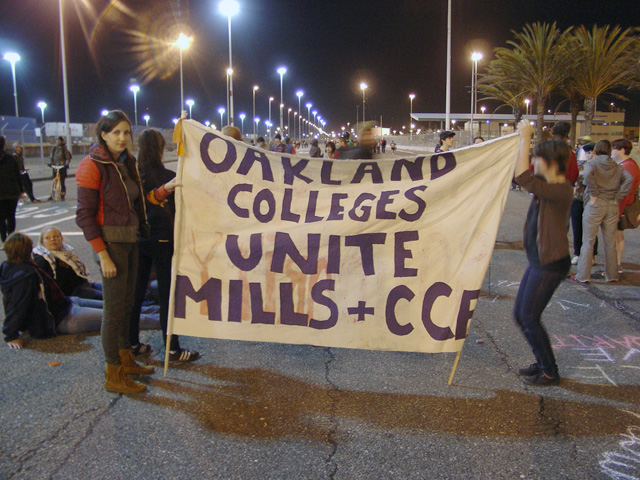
(607, 59)
(498, 84)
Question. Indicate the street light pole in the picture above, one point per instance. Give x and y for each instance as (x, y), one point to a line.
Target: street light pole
(411, 97)
(270, 100)
(64, 77)
(229, 8)
(475, 56)
(308, 105)
(299, 94)
(42, 106)
(221, 111)
(363, 86)
(288, 124)
(281, 71)
(255, 88)
(146, 120)
(182, 43)
(12, 58)
(190, 103)
(242, 116)
(135, 89)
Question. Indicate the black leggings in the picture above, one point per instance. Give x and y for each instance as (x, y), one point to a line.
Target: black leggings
(7, 217)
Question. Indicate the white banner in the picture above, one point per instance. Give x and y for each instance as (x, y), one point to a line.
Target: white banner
(385, 254)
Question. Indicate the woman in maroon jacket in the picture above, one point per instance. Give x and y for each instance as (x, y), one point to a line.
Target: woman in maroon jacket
(111, 215)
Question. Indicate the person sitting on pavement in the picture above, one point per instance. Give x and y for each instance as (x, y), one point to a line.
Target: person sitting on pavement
(34, 303)
(61, 157)
(27, 184)
(60, 262)
(446, 141)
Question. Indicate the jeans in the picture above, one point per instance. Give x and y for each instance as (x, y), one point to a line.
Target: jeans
(118, 295)
(158, 254)
(603, 214)
(577, 209)
(536, 289)
(7, 217)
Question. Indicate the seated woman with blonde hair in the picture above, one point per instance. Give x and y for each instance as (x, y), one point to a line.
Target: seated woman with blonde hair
(61, 263)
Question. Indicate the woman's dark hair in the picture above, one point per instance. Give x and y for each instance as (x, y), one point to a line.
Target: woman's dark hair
(624, 144)
(332, 145)
(150, 149)
(18, 248)
(603, 147)
(314, 142)
(554, 151)
(108, 122)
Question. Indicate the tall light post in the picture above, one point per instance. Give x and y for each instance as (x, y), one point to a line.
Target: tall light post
(475, 56)
(482, 109)
(314, 113)
(363, 87)
(190, 103)
(281, 71)
(12, 58)
(229, 8)
(242, 117)
(288, 120)
(256, 121)
(135, 89)
(295, 114)
(42, 106)
(255, 89)
(229, 74)
(299, 94)
(221, 111)
(270, 100)
(281, 115)
(104, 112)
(527, 102)
(146, 119)
(64, 75)
(308, 105)
(411, 97)
(182, 43)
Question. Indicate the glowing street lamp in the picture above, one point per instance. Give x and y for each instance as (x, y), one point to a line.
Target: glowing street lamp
(242, 117)
(221, 111)
(255, 89)
(475, 56)
(42, 106)
(135, 89)
(229, 74)
(182, 43)
(411, 97)
(295, 114)
(229, 8)
(104, 112)
(527, 102)
(288, 119)
(256, 121)
(308, 105)
(190, 103)
(146, 119)
(299, 94)
(314, 113)
(281, 122)
(270, 100)
(363, 87)
(12, 58)
(281, 71)
(207, 123)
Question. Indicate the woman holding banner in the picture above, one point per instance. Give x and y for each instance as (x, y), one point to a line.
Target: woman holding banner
(158, 185)
(546, 244)
(111, 215)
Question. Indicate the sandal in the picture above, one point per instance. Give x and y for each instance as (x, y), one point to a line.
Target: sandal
(141, 349)
(183, 355)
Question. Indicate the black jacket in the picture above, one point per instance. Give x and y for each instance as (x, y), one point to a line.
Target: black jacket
(160, 217)
(10, 186)
(32, 301)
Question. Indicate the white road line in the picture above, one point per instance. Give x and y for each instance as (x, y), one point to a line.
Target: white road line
(52, 222)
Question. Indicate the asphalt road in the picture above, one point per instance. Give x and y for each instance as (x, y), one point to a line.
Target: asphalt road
(258, 410)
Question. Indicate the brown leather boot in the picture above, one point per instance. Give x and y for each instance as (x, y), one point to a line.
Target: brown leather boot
(130, 366)
(117, 381)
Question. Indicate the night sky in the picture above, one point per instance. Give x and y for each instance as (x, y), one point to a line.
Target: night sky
(328, 46)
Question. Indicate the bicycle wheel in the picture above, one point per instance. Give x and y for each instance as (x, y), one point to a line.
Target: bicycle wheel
(55, 189)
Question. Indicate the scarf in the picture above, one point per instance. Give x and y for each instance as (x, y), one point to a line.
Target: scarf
(65, 255)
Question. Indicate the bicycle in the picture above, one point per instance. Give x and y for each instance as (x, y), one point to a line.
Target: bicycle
(56, 185)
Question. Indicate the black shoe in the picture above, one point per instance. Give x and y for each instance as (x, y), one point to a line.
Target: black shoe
(183, 355)
(541, 380)
(532, 369)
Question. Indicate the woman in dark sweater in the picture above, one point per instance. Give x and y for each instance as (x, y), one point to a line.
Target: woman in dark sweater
(546, 244)
(158, 184)
(10, 191)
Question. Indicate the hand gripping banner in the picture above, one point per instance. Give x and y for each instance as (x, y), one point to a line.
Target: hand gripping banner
(385, 254)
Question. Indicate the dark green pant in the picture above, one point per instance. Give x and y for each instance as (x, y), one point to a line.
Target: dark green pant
(118, 293)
